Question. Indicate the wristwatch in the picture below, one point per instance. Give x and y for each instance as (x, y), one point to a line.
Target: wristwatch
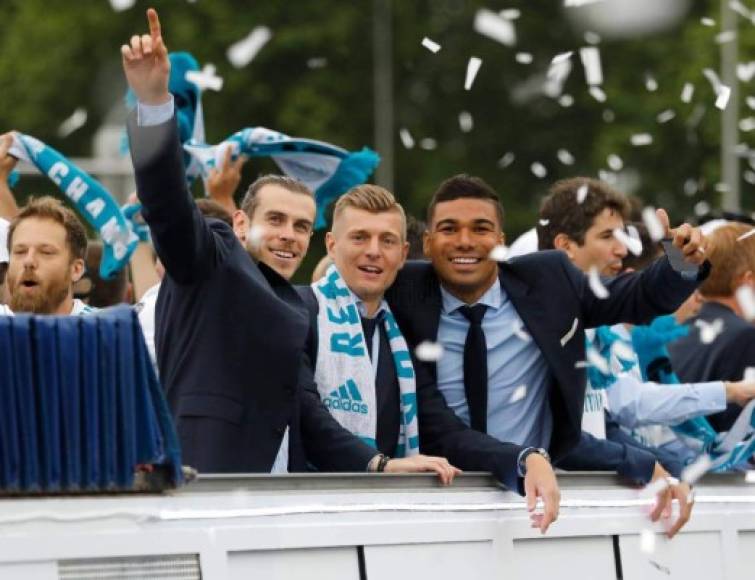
(522, 461)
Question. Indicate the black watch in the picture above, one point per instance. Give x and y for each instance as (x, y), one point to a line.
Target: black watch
(522, 463)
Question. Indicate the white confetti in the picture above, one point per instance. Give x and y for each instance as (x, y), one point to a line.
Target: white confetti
(665, 116)
(747, 124)
(750, 476)
(406, 138)
(523, 57)
(713, 79)
(77, 120)
(565, 157)
(506, 160)
(750, 102)
(317, 62)
(690, 187)
(647, 541)
(561, 57)
(519, 393)
(609, 116)
(707, 21)
(493, 26)
(650, 83)
(570, 334)
(722, 99)
(701, 208)
(641, 139)
(473, 66)
(590, 56)
(578, 3)
(596, 285)
(558, 72)
(696, 470)
(688, 91)
(427, 351)
(598, 94)
(746, 235)
(430, 45)
(725, 36)
(746, 300)
(499, 253)
(595, 360)
(543, 222)
(655, 487)
(632, 244)
(740, 9)
(608, 176)
(592, 37)
(121, 5)
(254, 237)
(721, 187)
(582, 193)
(749, 374)
(566, 101)
(466, 122)
(241, 53)
(206, 78)
(749, 177)
(615, 162)
(510, 13)
(428, 144)
(745, 71)
(655, 228)
(709, 330)
(538, 170)
(517, 327)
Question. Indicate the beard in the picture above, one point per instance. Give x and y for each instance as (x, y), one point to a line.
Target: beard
(46, 297)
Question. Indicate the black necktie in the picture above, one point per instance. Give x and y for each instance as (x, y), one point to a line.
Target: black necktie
(476, 367)
(368, 328)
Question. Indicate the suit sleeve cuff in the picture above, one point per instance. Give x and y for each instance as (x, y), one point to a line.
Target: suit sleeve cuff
(150, 115)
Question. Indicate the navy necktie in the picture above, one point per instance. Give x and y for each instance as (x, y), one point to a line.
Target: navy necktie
(476, 367)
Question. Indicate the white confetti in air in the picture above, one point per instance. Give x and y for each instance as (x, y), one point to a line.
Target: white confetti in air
(749, 177)
(696, 470)
(428, 144)
(615, 162)
(466, 122)
(598, 94)
(517, 327)
(317, 62)
(641, 139)
(427, 351)
(590, 56)
(510, 13)
(570, 334)
(430, 45)
(722, 99)
(632, 244)
(655, 487)
(655, 228)
(565, 157)
(543, 222)
(647, 541)
(519, 393)
(506, 160)
(725, 36)
(745, 71)
(608, 176)
(582, 193)
(709, 330)
(578, 3)
(499, 253)
(690, 187)
(592, 37)
(721, 188)
(746, 235)
(665, 116)
(713, 79)
(740, 9)
(473, 66)
(595, 360)
(406, 138)
(241, 53)
(538, 170)
(566, 100)
(747, 124)
(558, 72)
(707, 21)
(750, 476)
(77, 120)
(651, 84)
(596, 285)
(206, 78)
(254, 237)
(561, 57)
(523, 57)
(490, 24)
(688, 91)
(746, 300)
(121, 5)
(749, 374)
(702, 208)
(750, 102)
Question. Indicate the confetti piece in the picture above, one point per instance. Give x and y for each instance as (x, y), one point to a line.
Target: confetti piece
(566, 100)
(702, 208)
(561, 57)
(641, 139)
(582, 193)
(665, 116)
(725, 36)
(696, 470)
(749, 374)
(747, 124)
(473, 66)
(655, 487)
(430, 45)
(243, 52)
(499, 253)
(205, 79)
(655, 228)
(568, 336)
(538, 170)
(598, 94)
(558, 72)
(707, 21)
(633, 245)
(745, 71)
(740, 9)
(428, 144)
(317, 62)
(721, 188)
(578, 3)
(519, 393)
(647, 541)
(746, 300)
(543, 222)
(722, 99)
(565, 157)
(523, 57)
(493, 26)
(749, 177)
(746, 235)
(592, 37)
(595, 360)
(517, 327)
(406, 138)
(709, 330)
(590, 56)
(614, 162)
(651, 84)
(121, 5)
(506, 160)
(750, 476)
(688, 92)
(750, 102)
(254, 237)
(713, 79)
(73, 123)
(466, 122)
(427, 351)
(690, 187)
(596, 285)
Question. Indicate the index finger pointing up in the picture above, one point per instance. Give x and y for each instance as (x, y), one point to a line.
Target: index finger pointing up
(154, 23)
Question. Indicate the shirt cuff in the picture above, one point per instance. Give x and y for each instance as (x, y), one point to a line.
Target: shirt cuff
(712, 395)
(149, 115)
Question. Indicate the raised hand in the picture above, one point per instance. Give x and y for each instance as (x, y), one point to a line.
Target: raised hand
(146, 64)
(222, 183)
(688, 239)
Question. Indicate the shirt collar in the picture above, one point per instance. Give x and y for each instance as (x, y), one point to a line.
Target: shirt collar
(363, 309)
(492, 298)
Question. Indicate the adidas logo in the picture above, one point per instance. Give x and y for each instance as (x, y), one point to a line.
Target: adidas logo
(346, 398)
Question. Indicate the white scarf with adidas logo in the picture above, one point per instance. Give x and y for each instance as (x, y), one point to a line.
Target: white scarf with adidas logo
(344, 373)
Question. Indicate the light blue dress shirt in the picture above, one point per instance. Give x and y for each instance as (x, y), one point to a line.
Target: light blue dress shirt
(518, 375)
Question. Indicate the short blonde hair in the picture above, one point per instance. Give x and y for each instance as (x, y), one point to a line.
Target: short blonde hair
(730, 259)
(371, 198)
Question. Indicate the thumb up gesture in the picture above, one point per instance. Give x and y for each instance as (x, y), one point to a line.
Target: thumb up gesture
(146, 64)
